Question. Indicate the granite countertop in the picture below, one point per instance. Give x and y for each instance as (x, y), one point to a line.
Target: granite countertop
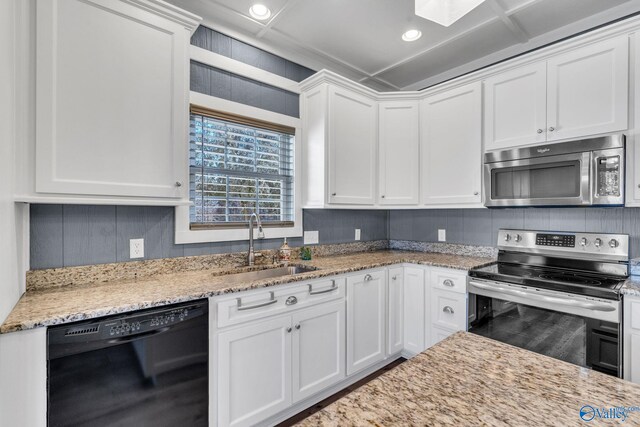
(81, 298)
(469, 380)
(631, 286)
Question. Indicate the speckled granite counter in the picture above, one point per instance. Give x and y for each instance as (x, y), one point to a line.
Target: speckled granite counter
(78, 300)
(631, 286)
(468, 380)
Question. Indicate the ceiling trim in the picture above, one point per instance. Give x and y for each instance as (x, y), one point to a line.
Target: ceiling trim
(563, 33)
(511, 24)
(276, 17)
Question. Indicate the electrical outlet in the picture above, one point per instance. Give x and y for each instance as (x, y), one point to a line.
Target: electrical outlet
(442, 235)
(311, 238)
(136, 248)
(357, 234)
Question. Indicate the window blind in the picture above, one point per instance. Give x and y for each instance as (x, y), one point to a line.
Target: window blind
(238, 166)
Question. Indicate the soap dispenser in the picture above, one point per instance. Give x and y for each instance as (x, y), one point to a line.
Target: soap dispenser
(284, 253)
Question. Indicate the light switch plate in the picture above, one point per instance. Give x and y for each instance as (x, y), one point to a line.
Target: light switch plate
(442, 235)
(357, 234)
(136, 248)
(311, 237)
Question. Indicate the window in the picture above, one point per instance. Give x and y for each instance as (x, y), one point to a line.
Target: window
(238, 166)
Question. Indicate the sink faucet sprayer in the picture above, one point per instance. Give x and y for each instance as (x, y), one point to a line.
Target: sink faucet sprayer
(251, 256)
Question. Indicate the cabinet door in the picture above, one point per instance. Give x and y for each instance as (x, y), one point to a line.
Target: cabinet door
(395, 303)
(588, 90)
(515, 107)
(352, 147)
(112, 100)
(365, 320)
(399, 153)
(254, 372)
(635, 360)
(414, 309)
(451, 142)
(318, 359)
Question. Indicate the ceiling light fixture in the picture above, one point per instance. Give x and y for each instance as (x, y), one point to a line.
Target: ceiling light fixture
(411, 35)
(260, 11)
(445, 12)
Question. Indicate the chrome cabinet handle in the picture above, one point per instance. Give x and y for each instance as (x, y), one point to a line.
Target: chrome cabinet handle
(272, 300)
(449, 283)
(298, 326)
(395, 277)
(289, 329)
(324, 291)
(368, 278)
(333, 194)
(291, 301)
(447, 309)
(382, 196)
(178, 184)
(475, 193)
(551, 129)
(540, 131)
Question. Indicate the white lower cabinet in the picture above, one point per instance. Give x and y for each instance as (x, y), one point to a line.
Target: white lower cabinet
(631, 339)
(395, 311)
(318, 349)
(366, 309)
(414, 309)
(254, 372)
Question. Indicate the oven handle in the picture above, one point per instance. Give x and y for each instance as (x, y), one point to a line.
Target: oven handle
(534, 297)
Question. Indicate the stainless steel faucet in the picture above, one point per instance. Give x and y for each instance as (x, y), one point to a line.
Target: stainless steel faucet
(251, 256)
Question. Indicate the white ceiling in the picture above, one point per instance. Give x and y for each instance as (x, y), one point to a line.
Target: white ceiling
(361, 39)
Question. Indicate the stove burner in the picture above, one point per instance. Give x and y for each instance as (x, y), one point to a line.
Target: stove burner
(570, 278)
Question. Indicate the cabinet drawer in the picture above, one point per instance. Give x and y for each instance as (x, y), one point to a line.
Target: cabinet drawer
(449, 310)
(251, 305)
(438, 334)
(448, 280)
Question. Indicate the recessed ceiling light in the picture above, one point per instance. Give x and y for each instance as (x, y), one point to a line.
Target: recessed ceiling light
(411, 35)
(260, 11)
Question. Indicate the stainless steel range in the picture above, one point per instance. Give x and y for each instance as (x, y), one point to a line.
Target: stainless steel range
(554, 293)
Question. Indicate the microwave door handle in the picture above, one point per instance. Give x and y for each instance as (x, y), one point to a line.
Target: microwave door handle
(561, 301)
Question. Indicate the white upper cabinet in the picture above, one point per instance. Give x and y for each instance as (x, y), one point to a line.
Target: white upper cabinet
(352, 147)
(588, 90)
(112, 98)
(515, 107)
(451, 144)
(578, 93)
(399, 173)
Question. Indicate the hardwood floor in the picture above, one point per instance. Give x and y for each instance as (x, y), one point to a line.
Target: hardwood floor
(329, 400)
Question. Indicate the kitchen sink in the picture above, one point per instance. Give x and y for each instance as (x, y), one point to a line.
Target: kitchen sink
(267, 273)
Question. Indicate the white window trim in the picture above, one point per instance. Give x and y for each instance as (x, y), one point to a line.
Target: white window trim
(183, 233)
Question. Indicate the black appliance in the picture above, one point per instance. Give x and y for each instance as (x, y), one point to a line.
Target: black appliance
(555, 293)
(145, 368)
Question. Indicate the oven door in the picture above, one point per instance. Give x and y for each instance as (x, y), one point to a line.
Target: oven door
(542, 181)
(576, 329)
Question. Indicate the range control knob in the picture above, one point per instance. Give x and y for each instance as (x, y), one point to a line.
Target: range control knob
(597, 243)
(584, 241)
(507, 237)
(614, 243)
(518, 238)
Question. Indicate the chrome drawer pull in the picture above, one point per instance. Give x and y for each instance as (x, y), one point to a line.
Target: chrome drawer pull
(241, 307)
(395, 277)
(368, 278)
(449, 283)
(332, 288)
(447, 309)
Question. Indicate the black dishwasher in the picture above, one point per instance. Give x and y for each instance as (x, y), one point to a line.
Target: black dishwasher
(145, 368)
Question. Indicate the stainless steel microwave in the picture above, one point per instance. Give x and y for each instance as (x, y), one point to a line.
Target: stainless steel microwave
(588, 172)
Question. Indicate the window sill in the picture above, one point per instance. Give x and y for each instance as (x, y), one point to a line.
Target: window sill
(184, 235)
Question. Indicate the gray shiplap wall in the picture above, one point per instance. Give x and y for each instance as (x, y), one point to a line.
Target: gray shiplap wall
(71, 235)
(480, 226)
(223, 84)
